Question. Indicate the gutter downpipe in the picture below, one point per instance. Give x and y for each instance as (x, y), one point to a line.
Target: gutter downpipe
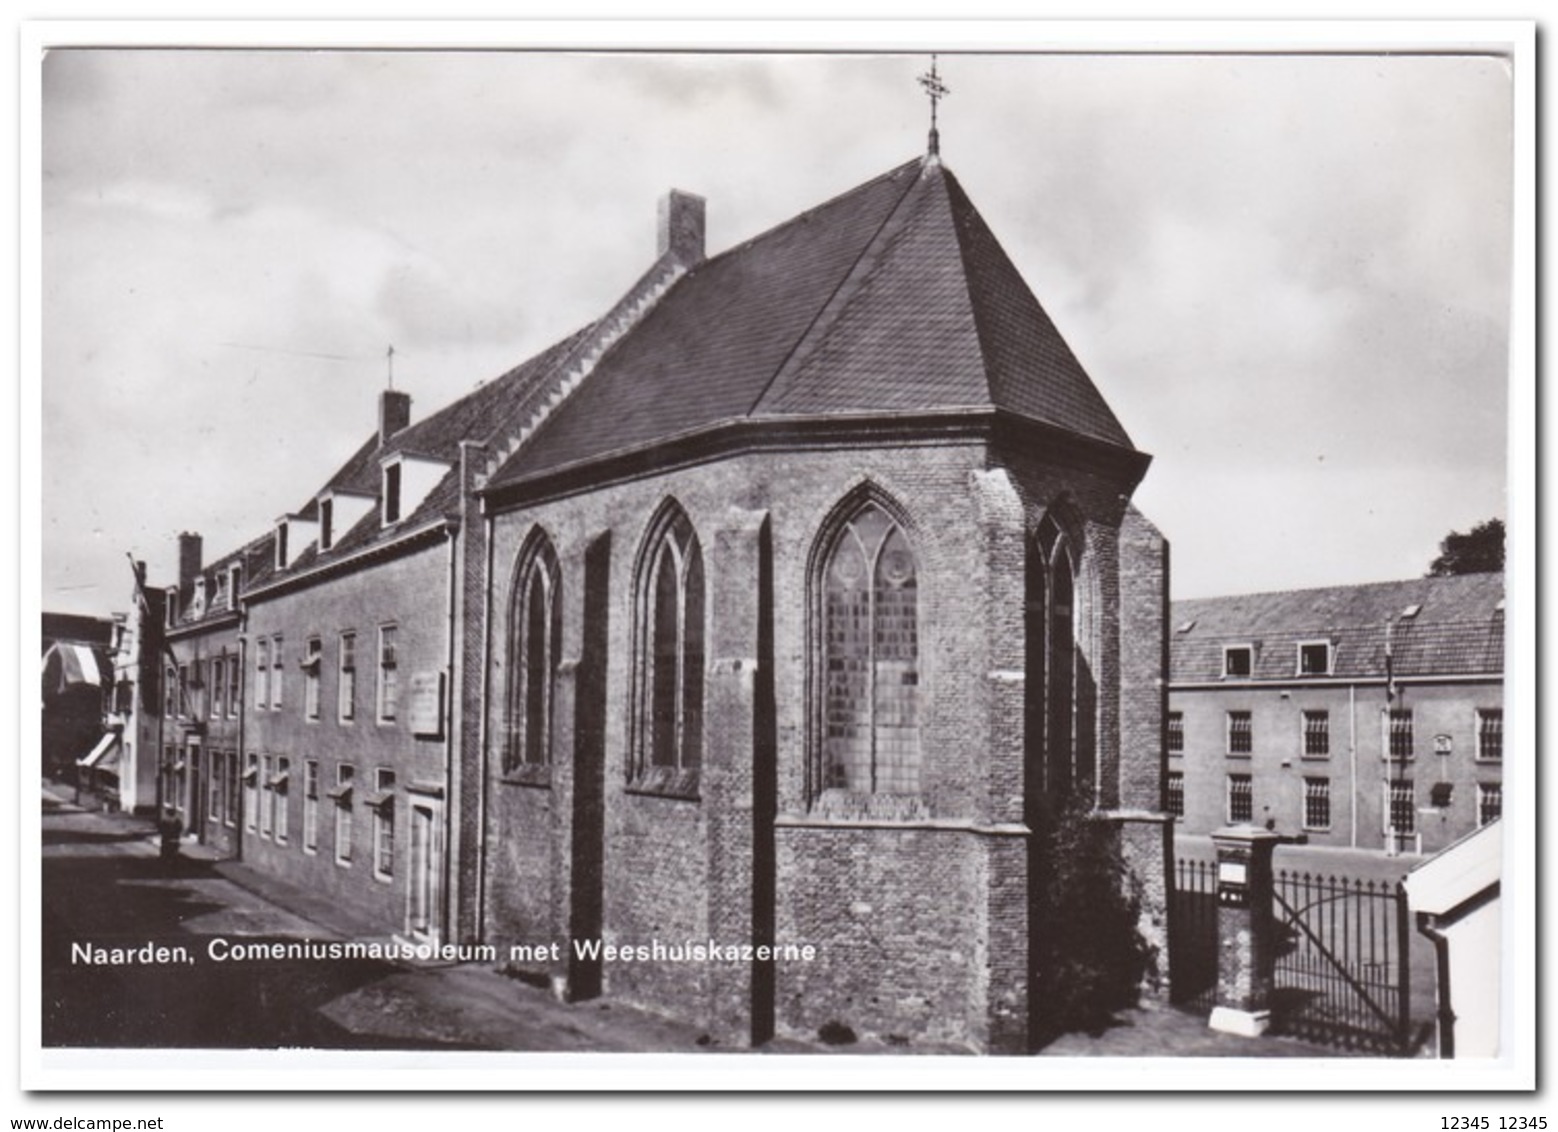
(480, 911)
(1445, 1012)
(451, 825)
(1352, 753)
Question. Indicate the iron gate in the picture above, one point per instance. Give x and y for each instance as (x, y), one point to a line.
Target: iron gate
(1342, 967)
(1342, 972)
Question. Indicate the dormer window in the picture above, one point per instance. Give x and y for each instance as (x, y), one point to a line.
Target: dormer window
(1314, 658)
(173, 606)
(281, 545)
(391, 494)
(1238, 661)
(197, 606)
(326, 523)
(234, 577)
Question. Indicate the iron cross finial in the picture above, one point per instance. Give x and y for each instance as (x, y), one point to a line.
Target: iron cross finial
(935, 90)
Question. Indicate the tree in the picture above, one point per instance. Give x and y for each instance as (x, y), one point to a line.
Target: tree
(1477, 551)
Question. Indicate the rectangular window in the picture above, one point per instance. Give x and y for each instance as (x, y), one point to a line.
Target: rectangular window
(1176, 793)
(1241, 733)
(1176, 732)
(230, 792)
(267, 786)
(1314, 658)
(313, 655)
(383, 802)
(392, 494)
(1317, 803)
(276, 671)
(1490, 734)
(183, 693)
(1238, 660)
(342, 796)
(1399, 742)
(214, 786)
(234, 679)
(1241, 799)
(346, 690)
(261, 674)
(1402, 808)
(389, 676)
(326, 523)
(170, 693)
(1317, 734)
(310, 805)
(279, 798)
(251, 792)
(1490, 802)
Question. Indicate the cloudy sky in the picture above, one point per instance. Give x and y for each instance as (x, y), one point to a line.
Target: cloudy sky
(1288, 274)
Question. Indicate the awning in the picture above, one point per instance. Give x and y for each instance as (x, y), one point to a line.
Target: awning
(104, 756)
(65, 665)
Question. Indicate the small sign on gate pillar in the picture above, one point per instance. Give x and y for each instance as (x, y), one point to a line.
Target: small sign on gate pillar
(1246, 958)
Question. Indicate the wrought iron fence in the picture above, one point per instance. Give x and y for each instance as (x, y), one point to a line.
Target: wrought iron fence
(1193, 936)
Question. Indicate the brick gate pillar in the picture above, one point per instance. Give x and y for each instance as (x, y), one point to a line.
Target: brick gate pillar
(1246, 957)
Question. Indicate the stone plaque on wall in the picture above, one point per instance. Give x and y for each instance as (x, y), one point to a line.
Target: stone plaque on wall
(427, 703)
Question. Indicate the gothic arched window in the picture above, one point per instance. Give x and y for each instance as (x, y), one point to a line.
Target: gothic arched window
(671, 656)
(871, 659)
(1060, 696)
(534, 638)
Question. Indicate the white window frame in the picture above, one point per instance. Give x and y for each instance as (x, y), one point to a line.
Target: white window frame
(384, 824)
(1304, 717)
(1330, 658)
(1228, 651)
(311, 806)
(346, 678)
(313, 660)
(345, 774)
(1249, 732)
(1249, 781)
(1484, 789)
(281, 821)
(386, 692)
(277, 670)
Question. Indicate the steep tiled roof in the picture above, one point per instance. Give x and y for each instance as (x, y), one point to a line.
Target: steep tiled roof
(1456, 627)
(894, 297)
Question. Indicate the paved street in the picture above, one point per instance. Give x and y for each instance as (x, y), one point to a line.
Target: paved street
(105, 888)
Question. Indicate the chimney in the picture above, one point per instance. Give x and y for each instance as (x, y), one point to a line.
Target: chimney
(681, 227)
(394, 414)
(189, 557)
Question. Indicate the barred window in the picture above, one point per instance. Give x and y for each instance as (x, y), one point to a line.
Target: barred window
(1176, 793)
(871, 740)
(1399, 743)
(1490, 802)
(1317, 803)
(1402, 807)
(1176, 732)
(1317, 734)
(1241, 799)
(1241, 733)
(1490, 734)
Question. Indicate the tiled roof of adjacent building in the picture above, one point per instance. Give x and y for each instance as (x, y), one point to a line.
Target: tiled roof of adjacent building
(1450, 626)
(894, 297)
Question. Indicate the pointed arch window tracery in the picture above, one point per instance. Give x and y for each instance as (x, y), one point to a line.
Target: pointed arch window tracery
(671, 658)
(535, 624)
(871, 658)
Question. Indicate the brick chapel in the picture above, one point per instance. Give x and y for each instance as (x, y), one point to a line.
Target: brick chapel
(771, 609)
